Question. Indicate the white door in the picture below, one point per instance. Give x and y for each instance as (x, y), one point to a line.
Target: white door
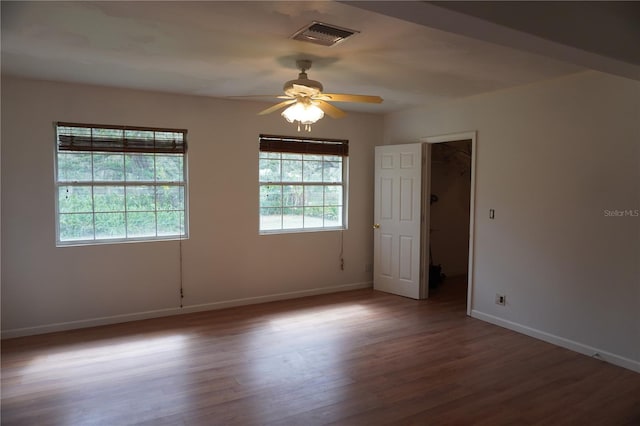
(397, 230)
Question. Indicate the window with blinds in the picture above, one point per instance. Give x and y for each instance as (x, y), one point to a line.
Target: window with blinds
(120, 184)
(303, 184)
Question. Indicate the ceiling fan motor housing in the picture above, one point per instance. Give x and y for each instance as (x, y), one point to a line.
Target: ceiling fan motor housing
(302, 80)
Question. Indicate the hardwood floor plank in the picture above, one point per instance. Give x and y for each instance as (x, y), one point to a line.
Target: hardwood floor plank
(352, 358)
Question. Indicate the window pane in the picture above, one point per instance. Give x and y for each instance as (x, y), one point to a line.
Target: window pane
(292, 195)
(76, 226)
(171, 223)
(75, 199)
(169, 168)
(170, 197)
(140, 167)
(333, 195)
(73, 167)
(139, 134)
(108, 167)
(291, 171)
(313, 217)
(108, 199)
(141, 224)
(164, 137)
(110, 225)
(270, 196)
(332, 216)
(292, 156)
(74, 131)
(313, 195)
(108, 133)
(141, 198)
(269, 170)
(313, 171)
(333, 170)
(292, 218)
(270, 218)
(310, 157)
(272, 155)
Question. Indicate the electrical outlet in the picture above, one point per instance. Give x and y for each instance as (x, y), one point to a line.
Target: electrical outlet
(500, 299)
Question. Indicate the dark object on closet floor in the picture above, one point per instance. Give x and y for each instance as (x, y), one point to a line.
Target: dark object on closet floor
(435, 275)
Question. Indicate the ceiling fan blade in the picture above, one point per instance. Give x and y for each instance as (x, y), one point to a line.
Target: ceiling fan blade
(343, 97)
(260, 97)
(276, 107)
(330, 110)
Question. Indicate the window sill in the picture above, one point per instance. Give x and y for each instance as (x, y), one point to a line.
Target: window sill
(301, 231)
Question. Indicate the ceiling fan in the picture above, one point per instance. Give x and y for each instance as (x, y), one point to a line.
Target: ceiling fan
(307, 103)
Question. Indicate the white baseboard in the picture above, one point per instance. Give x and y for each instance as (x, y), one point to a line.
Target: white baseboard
(114, 319)
(560, 341)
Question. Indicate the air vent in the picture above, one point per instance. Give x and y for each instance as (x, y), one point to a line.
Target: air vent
(323, 34)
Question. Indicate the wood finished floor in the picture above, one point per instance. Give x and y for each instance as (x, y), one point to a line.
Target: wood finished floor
(353, 358)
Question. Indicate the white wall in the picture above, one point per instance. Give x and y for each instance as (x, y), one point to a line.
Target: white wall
(224, 260)
(551, 157)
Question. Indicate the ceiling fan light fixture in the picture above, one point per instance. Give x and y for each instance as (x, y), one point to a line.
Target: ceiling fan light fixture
(305, 113)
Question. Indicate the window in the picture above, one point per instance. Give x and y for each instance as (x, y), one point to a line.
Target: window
(116, 184)
(302, 184)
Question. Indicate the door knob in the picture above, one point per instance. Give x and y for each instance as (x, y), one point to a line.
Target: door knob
(376, 226)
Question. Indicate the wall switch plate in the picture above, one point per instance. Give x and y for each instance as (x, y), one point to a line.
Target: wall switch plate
(500, 299)
(492, 214)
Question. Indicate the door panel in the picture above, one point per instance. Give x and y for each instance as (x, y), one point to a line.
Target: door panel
(397, 215)
(406, 199)
(406, 244)
(386, 248)
(386, 197)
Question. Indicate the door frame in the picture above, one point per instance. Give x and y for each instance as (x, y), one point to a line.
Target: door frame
(452, 137)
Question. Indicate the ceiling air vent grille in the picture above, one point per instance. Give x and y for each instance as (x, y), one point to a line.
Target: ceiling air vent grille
(323, 34)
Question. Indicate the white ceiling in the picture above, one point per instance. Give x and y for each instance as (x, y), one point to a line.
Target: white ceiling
(241, 48)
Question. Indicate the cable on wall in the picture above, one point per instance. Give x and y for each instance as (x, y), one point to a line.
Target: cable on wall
(181, 288)
(342, 250)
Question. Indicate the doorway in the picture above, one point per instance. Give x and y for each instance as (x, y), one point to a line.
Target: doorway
(449, 191)
(402, 217)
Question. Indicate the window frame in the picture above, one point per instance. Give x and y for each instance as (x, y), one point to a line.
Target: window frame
(120, 183)
(340, 149)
